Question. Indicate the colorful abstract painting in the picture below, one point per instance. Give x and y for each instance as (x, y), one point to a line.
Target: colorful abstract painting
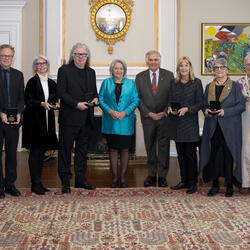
(229, 40)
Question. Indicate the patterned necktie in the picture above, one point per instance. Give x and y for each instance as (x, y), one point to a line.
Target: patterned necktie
(154, 83)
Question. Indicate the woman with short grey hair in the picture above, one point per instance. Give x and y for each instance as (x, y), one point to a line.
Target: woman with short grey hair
(111, 67)
(222, 61)
(222, 132)
(118, 99)
(34, 64)
(39, 133)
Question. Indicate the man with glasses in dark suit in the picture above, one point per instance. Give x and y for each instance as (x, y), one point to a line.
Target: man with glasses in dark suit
(11, 108)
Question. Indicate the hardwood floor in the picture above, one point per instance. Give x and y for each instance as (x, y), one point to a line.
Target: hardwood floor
(98, 174)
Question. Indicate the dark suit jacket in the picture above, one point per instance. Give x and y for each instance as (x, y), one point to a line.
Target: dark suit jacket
(148, 101)
(35, 132)
(71, 89)
(16, 91)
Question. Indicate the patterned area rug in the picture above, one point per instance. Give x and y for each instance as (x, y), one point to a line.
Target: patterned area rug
(134, 218)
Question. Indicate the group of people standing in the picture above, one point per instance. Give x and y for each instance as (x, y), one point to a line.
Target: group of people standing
(169, 111)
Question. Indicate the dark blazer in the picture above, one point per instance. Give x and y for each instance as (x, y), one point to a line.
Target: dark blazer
(71, 89)
(16, 93)
(35, 132)
(148, 101)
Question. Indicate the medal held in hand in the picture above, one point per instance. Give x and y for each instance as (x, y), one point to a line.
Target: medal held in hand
(214, 107)
(52, 100)
(175, 106)
(89, 96)
(11, 115)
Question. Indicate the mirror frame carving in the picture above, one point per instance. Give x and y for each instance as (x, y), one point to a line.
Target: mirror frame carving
(111, 39)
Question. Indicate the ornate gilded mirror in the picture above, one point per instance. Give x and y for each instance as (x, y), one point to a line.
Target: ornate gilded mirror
(110, 20)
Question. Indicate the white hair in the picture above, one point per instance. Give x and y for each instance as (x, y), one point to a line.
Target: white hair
(118, 61)
(35, 60)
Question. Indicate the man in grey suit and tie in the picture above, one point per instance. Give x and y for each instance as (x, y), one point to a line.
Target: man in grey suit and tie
(153, 87)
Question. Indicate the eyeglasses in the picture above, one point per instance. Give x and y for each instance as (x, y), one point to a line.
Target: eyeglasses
(247, 65)
(41, 63)
(80, 54)
(6, 56)
(216, 68)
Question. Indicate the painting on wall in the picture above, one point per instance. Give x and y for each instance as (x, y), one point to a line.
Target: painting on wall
(231, 40)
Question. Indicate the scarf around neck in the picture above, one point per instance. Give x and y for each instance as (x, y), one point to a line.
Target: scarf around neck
(43, 78)
(225, 92)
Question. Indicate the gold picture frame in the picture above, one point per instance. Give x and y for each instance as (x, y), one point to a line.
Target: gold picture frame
(110, 20)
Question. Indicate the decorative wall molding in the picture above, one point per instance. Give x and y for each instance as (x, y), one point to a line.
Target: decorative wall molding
(11, 31)
(11, 27)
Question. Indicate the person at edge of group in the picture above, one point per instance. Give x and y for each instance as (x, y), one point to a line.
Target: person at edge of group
(39, 133)
(220, 151)
(187, 91)
(76, 88)
(245, 88)
(118, 99)
(153, 87)
(11, 96)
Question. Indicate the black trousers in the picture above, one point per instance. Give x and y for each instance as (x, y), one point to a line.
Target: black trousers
(67, 136)
(36, 158)
(187, 159)
(9, 137)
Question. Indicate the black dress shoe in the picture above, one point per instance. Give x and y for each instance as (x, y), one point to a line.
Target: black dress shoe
(37, 189)
(180, 185)
(66, 189)
(85, 185)
(2, 194)
(150, 180)
(213, 191)
(12, 191)
(229, 192)
(123, 184)
(192, 189)
(45, 189)
(114, 184)
(162, 182)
